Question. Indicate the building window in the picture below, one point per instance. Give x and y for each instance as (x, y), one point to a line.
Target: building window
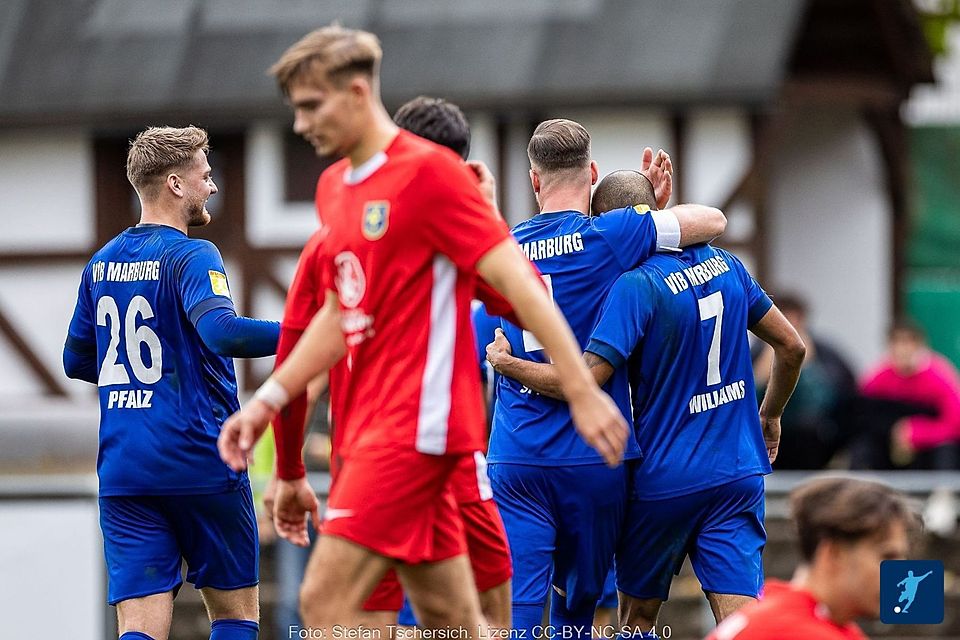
(302, 167)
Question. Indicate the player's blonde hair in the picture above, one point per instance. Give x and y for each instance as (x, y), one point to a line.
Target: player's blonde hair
(333, 53)
(559, 144)
(157, 151)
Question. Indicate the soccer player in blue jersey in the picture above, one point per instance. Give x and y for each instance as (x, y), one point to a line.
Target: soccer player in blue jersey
(155, 329)
(561, 505)
(678, 325)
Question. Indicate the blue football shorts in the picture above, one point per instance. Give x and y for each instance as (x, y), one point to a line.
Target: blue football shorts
(564, 519)
(720, 529)
(146, 539)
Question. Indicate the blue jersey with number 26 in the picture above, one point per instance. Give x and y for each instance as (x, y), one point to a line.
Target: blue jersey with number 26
(163, 393)
(680, 323)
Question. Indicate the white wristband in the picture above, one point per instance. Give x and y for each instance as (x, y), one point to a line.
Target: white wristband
(668, 230)
(272, 394)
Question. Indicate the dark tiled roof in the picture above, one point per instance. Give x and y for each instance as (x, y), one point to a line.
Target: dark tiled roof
(107, 60)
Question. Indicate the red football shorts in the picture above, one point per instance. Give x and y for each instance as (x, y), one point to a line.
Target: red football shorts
(398, 504)
(486, 544)
(387, 596)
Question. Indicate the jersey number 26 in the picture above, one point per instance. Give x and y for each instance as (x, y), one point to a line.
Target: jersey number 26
(111, 371)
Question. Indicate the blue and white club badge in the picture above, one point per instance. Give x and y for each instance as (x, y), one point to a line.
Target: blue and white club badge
(376, 218)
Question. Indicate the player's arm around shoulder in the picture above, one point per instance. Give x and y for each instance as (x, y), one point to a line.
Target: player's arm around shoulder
(595, 415)
(537, 376)
(697, 223)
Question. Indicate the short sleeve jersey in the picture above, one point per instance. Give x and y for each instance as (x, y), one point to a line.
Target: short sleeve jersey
(306, 293)
(784, 612)
(163, 394)
(580, 258)
(680, 323)
(404, 233)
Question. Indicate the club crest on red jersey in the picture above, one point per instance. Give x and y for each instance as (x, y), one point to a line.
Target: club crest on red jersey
(351, 283)
(376, 218)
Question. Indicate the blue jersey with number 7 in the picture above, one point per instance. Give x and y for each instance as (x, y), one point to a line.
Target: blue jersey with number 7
(680, 323)
(163, 393)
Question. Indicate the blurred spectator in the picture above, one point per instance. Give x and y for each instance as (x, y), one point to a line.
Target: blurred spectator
(912, 374)
(817, 421)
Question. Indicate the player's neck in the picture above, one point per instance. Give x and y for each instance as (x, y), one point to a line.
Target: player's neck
(564, 199)
(377, 137)
(820, 584)
(152, 215)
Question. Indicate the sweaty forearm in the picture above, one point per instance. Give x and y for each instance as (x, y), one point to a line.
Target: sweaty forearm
(698, 223)
(537, 376)
(787, 363)
(538, 313)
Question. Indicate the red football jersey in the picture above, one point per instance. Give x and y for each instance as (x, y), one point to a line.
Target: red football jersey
(304, 298)
(404, 233)
(306, 293)
(784, 612)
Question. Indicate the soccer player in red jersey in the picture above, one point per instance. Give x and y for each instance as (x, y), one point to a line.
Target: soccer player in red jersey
(406, 235)
(847, 527)
(442, 122)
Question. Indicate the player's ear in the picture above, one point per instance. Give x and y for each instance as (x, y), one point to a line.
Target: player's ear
(535, 180)
(359, 88)
(594, 172)
(175, 184)
(829, 552)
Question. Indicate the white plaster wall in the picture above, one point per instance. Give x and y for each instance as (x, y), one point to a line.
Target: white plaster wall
(830, 232)
(270, 220)
(483, 139)
(716, 154)
(519, 202)
(46, 178)
(619, 136)
(939, 103)
(39, 301)
(52, 560)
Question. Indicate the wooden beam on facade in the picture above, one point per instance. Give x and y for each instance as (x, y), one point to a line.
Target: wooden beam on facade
(838, 91)
(890, 134)
(20, 345)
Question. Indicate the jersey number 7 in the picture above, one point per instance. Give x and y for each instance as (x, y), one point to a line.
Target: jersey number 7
(712, 307)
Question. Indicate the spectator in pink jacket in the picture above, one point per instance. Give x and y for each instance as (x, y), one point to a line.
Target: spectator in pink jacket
(912, 373)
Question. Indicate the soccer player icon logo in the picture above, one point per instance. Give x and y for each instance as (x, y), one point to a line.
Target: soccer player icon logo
(909, 593)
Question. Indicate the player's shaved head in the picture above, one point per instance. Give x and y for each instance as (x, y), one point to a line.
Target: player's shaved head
(158, 151)
(332, 53)
(436, 120)
(559, 144)
(623, 188)
(845, 510)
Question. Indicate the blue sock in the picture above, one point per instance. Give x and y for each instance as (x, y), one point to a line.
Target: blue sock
(526, 617)
(234, 630)
(135, 635)
(578, 623)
